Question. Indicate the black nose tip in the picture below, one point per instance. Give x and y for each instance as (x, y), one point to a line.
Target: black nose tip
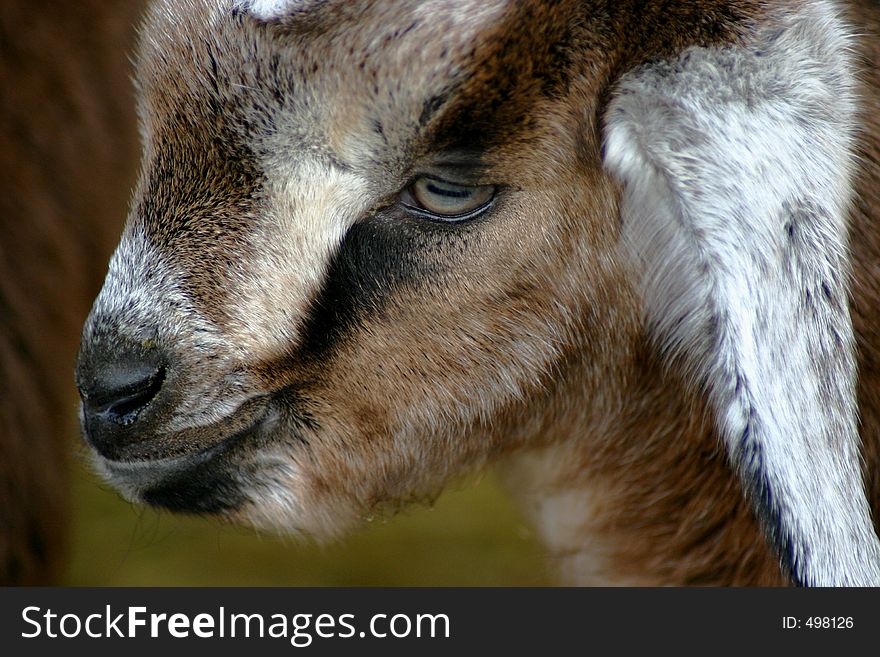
(121, 390)
(115, 392)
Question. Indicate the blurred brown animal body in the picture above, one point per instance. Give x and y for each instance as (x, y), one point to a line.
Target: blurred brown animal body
(67, 157)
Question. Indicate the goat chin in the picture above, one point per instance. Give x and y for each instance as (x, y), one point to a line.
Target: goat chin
(629, 257)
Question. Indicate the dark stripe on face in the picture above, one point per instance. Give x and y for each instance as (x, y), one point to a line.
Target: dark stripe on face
(383, 255)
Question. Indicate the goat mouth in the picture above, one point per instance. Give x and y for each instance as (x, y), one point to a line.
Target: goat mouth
(203, 481)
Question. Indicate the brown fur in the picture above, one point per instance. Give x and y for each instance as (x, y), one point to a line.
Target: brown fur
(67, 149)
(516, 339)
(865, 245)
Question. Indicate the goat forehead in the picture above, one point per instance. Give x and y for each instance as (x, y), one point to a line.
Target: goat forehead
(360, 82)
(326, 67)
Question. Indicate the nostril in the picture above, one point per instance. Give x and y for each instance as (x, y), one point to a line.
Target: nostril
(124, 386)
(121, 392)
(130, 400)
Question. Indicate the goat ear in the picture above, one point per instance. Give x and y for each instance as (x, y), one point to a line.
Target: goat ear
(736, 166)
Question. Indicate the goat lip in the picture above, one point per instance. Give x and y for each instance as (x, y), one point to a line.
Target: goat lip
(193, 444)
(179, 481)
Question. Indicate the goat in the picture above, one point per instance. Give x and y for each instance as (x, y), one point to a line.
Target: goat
(604, 245)
(68, 149)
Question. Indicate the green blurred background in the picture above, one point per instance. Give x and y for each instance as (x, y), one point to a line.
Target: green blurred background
(471, 536)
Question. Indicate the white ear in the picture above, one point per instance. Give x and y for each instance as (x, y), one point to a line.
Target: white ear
(736, 166)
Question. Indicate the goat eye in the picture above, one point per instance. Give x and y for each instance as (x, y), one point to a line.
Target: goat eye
(447, 201)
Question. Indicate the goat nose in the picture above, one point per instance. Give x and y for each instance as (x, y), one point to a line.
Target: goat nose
(119, 391)
(123, 392)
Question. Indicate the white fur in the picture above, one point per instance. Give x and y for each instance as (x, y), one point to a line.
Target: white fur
(468, 15)
(474, 12)
(268, 9)
(719, 151)
(311, 206)
(563, 515)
